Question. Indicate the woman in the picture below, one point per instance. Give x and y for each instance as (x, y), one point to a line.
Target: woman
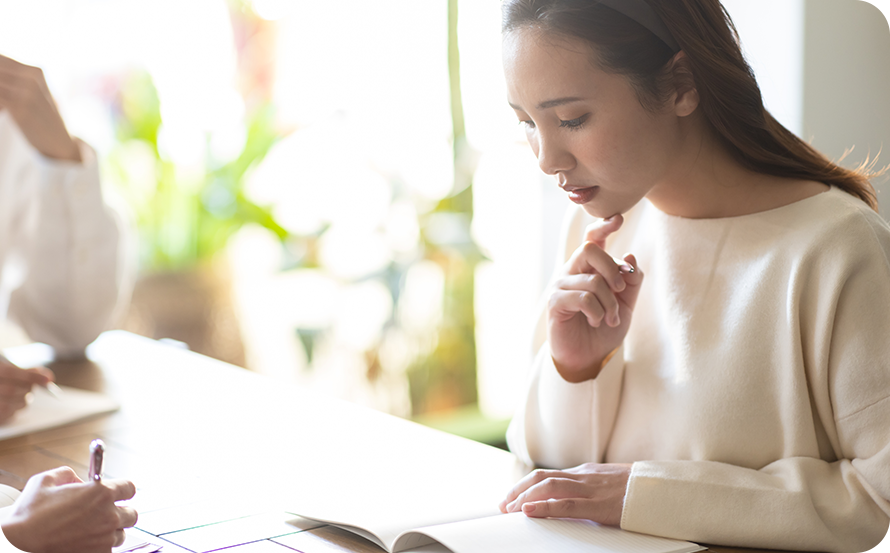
(739, 394)
(63, 273)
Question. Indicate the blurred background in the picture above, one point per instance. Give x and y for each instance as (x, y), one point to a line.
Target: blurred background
(336, 193)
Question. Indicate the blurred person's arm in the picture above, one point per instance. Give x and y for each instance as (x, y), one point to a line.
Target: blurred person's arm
(54, 220)
(57, 512)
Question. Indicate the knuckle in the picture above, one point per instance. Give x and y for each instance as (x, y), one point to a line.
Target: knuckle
(565, 505)
(104, 494)
(550, 485)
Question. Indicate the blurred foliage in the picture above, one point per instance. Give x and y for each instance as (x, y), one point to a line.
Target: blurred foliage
(184, 216)
(446, 378)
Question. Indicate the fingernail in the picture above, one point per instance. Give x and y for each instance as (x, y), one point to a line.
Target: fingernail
(626, 268)
(529, 507)
(619, 282)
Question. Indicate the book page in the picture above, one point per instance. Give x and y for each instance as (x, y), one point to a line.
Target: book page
(47, 411)
(518, 533)
(398, 476)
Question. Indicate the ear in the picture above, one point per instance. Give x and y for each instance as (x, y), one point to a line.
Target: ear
(685, 98)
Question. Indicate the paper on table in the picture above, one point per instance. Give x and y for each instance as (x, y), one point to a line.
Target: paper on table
(134, 543)
(518, 533)
(48, 412)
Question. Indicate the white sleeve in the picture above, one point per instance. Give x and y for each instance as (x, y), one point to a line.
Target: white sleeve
(73, 247)
(560, 424)
(8, 495)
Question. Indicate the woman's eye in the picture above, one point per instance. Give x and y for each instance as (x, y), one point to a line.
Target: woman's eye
(528, 124)
(574, 124)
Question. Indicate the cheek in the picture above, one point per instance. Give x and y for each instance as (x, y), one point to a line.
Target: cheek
(631, 149)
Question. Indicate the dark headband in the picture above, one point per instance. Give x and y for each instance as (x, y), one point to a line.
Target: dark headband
(642, 13)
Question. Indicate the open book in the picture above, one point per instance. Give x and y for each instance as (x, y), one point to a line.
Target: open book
(409, 488)
(518, 533)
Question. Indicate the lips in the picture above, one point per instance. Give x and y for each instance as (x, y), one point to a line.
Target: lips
(580, 195)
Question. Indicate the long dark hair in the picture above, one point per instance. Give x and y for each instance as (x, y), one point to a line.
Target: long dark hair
(729, 95)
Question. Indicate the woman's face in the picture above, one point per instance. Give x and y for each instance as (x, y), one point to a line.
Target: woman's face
(586, 126)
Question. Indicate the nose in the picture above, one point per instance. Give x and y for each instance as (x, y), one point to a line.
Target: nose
(553, 157)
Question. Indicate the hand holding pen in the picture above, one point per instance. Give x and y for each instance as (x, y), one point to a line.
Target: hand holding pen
(16, 383)
(59, 513)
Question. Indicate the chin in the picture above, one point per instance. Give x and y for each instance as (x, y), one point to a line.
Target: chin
(600, 211)
(605, 209)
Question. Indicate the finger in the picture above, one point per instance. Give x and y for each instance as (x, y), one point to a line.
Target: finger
(565, 305)
(590, 258)
(28, 377)
(9, 64)
(10, 389)
(121, 489)
(42, 375)
(550, 488)
(561, 508)
(528, 481)
(119, 537)
(634, 282)
(600, 230)
(598, 297)
(127, 516)
(59, 477)
(6, 413)
(14, 403)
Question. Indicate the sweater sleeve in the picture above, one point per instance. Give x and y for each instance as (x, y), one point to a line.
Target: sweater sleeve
(72, 246)
(561, 424)
(836, 503)
(558, 423)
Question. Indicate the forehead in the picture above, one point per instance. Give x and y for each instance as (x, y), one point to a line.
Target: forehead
(538, 64)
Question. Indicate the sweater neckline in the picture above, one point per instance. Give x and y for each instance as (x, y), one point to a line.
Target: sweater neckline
(786, 209)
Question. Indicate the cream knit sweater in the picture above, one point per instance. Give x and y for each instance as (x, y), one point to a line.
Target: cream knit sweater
(752, 392)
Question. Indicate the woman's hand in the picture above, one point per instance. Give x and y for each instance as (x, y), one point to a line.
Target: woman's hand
(16, 384)
(57, 513)
(590, 307)
(591, 491)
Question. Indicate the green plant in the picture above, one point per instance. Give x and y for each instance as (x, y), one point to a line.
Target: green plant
(184, 217)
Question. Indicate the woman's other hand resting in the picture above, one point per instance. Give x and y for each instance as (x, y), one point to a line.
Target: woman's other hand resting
(16, 384)
(591, 491)
(58, 513)
(590, 305)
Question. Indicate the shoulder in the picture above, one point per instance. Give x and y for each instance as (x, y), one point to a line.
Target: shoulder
(831, 228)
(842, 223)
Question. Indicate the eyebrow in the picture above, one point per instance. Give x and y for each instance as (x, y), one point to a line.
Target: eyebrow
(552, 103)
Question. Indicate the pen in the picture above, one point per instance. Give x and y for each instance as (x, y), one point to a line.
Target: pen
(54, 390)
(97, 454)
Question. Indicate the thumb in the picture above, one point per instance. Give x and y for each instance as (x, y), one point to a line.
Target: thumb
(599, 231)
(40, 375)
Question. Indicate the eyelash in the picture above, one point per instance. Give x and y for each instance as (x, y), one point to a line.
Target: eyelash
(571, 124)
(574, 124)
